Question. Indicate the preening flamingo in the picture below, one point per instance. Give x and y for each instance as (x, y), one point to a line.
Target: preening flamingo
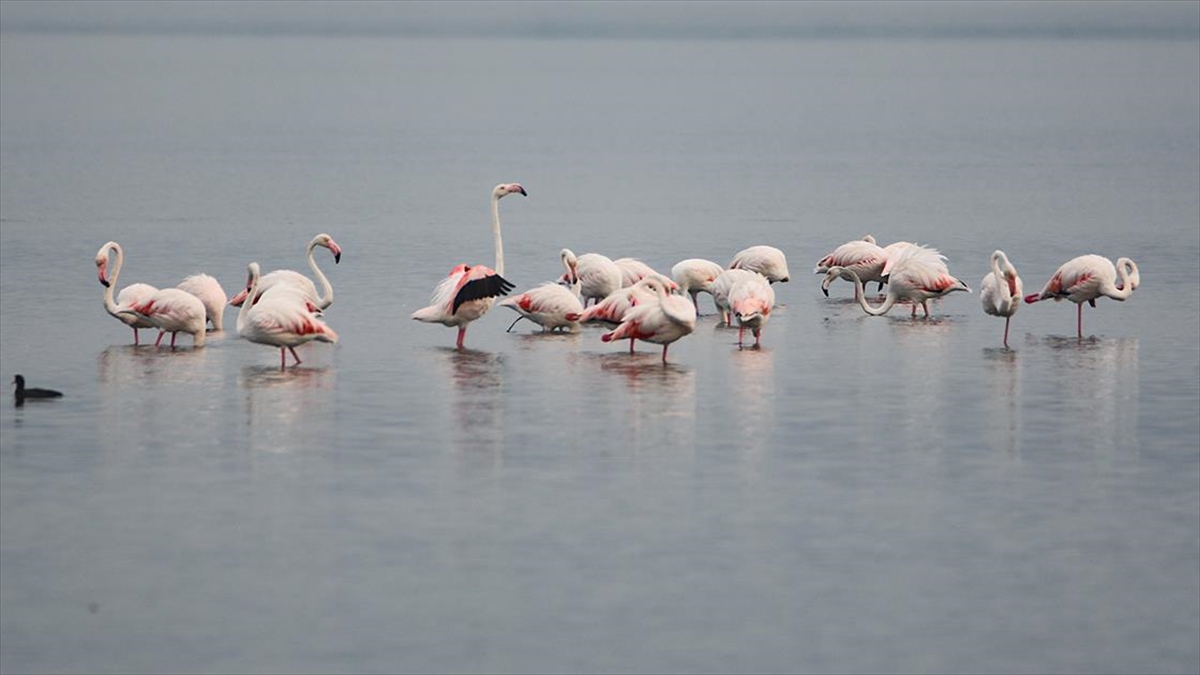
(597, 275)
(1086, 278)
(279, 318)
(721, 287)
(298, 280)
(661, 322)
(892, 252)
(171, 310)
(918, 274)
(613, 308)
(468, 292)
(548, 305)
(862, 256)
(211, 295)
(131, 294)
(695, 276)
(766, 260)
(751, 300)
(1001, 290)
(634, 270)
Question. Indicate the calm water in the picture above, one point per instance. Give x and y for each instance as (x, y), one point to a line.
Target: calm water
(861, 494)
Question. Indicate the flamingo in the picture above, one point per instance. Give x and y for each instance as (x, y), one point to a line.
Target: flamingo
(549, 306)
(131, 294)
(171, 310)
(862, 256)
(891, 252)
(211, 295)
(597, 275)
(280, 318)
(634, 270)
(613, 308)
(301, 282)
(695, 276)
(751, 301)
(721, 287)
(1088, 277)
(766, 260)
(1001, 290)
(661, 322)
(468, 292)
(918, 274)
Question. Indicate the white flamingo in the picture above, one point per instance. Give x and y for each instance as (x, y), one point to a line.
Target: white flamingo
(751, 301)
(613, 308)
(766, 260)
(211, 295)
(722, 286)
(695, 276)
(634, 270)
(171, 310)
(918, 274)
(302, 283)
(661, 322)
(549, 306)
(1001, 290)
(468, 292)
(1086, 278)
(597, 275)
(130, 295)
(862, 256)
(280, 318)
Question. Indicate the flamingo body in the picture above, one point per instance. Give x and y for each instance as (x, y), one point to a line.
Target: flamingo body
(171, 310)
(750, 301)
(549, 306)
(695, 276)
(280, 318)
(634, 270)
(723, 285)
(862, 256)
(661, 321)
(1087, 278)
(918, 274)
(1001, 290)
(210, 293)
(597, 275)
(766, 260)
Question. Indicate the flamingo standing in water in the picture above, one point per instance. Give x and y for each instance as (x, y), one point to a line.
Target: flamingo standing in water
(634, 270)
(862, 256)
(211, 295)
(695, 276)
(918, 274)
(661, 322)
(171, 310)
(549, 306)
(1001, 290)
(613, 308)
(597, 275)
(279, 318)
(298, 280)
(751, 301)
(766, 260)
(131, 294)
(1086, 278)
(722, 286)
(468, 292)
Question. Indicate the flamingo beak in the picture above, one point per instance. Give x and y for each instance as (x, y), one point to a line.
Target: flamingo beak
(102, 273)
(337, 252)
(516, 187)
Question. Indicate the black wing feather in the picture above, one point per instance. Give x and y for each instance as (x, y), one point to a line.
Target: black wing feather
(487, 287)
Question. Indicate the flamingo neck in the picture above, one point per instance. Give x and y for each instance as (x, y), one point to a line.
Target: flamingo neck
(1126, 279)
(110, 305)
(861, 294)
(496, 235)
(326, 298)
(244, 310)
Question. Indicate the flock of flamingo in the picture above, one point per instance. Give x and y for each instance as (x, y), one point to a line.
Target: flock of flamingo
(284, 309)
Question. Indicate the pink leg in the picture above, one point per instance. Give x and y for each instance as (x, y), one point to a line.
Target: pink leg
(1006, 320)
(925, 306)
(665, 352)
(135, 337)
(1079, 321)
(462, 333)
(631, 341)
(757, 337)
(173, 339)
(160, 337)
(914, 310)
(294, 354)
(282, 358)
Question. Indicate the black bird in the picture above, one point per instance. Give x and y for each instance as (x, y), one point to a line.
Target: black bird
(22, 393)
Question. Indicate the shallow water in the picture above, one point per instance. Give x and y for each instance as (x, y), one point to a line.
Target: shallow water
(859, 495)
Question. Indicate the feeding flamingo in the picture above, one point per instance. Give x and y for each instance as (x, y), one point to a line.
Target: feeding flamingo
(751, 300)
(695, 276)
(298, 280)
(661, 322)
(1086, 278)
(549, 306)
(766, 260)
(468, 292)
(721, 287)
(131, 294)
(211, 295)
(171, 310)
(597, 275)
(862, 256)
(1001, 290)
(918, 274)
(279, 318)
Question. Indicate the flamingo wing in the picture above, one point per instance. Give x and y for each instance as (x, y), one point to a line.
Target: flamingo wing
(479, 282)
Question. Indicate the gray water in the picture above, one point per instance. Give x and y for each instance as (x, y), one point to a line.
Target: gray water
(859, 495)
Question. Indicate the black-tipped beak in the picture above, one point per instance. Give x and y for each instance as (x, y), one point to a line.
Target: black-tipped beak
(825, 291)
(104, 282)
(337, 257)
(524, 193)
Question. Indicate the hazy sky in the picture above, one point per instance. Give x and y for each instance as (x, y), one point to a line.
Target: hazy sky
(651, 19)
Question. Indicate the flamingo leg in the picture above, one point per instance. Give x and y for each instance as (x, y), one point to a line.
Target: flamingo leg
(914, 310)
(1079, 321)
(462, 333)
(631, 341)
(757, 337)
(925, 306)
(695, 303)
(294, 354)
(741, 329)
(665, 352)
(282, 359)
(173, 334)
(135, 337)
(160, 337)
(1006, 320)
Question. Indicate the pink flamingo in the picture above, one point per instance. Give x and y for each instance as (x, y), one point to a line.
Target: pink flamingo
(766, 260)
(1086, 278)
(130, 295)
(661, 322)
(918, 274)
(723, 285)
(597, 275)
(280, 318)
(862, 256)
(1001, 290)
(695, 276)
(468, 292)
(613, 308)
(634, 270)
(211, 295)
(549, 306)
(171, 310)
(751, 301)
(319, 302)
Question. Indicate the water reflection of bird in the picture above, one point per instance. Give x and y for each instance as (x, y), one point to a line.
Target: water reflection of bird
(22, 392)
(1086, 278)
(1001, 290)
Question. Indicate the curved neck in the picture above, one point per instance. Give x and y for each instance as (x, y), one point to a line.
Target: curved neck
(244, 311)
(109, 303)
(1124, 277)
(860, 293)
(496, 235)
(326, 299)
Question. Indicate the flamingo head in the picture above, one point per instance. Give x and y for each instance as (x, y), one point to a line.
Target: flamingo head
(102, 267)
(830, 275)
(570, 262)
(508, 189)
(328, 242)
(252, 272)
